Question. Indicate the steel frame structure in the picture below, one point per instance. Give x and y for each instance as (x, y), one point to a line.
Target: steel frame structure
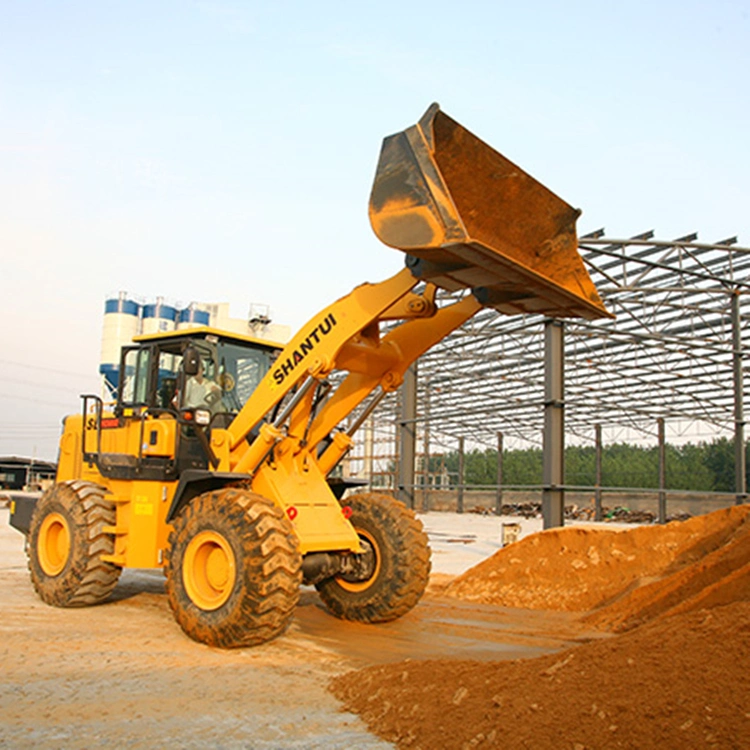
(675, 354)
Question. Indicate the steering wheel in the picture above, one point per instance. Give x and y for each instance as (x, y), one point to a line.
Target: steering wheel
(212, 397)
(226, 381)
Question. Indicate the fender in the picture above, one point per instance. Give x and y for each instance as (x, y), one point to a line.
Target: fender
(194, 482)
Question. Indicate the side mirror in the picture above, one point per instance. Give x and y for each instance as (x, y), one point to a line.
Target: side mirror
(191, 361)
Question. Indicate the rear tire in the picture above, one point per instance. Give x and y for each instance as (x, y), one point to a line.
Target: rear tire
(234, 569)
(66, 542)
(402, 563)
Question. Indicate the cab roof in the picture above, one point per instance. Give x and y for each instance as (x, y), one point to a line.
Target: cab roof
(204, 332)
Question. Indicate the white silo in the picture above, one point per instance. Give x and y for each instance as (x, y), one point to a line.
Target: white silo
(158, 317)
(192, 317)
(122, 321)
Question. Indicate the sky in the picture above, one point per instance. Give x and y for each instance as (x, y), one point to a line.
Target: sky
(224, 151)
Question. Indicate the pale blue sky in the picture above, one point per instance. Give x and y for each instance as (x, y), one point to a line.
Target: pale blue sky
(223, 151)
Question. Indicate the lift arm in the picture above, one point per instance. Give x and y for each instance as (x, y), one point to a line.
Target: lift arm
(313, 353)
(468, 218)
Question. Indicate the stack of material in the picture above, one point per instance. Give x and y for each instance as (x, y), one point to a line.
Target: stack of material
(677, 678)
(628, 576)
(677, 682)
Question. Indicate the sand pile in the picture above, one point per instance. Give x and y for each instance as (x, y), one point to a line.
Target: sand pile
(679, 680)
(676, 682)
(629, 575)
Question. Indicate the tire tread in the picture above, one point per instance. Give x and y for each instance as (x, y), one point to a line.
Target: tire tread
(270, 570)
(87, 579)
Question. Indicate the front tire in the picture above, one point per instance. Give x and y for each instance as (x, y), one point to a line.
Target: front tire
(66, 542)
(234, 569)
(402, 563)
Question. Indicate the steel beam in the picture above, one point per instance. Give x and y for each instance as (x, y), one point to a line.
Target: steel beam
(461, 475)
(598, 480)
(553, 460)
(408, 437)
(662, 515)
(739, 407)
(499, 497)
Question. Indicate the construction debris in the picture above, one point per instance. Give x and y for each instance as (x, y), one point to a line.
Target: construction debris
(619, 513)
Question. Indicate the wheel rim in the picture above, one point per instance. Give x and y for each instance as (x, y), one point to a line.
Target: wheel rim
(209, 570)
(357, 586)
(54, 544)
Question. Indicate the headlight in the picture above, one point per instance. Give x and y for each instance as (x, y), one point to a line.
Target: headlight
(202, 416)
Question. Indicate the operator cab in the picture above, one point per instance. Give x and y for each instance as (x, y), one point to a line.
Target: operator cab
(172, 389)
(199, 368)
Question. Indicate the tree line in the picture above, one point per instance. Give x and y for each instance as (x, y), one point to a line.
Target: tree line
(705, 466)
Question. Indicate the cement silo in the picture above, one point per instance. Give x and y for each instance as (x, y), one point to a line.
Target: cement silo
(158, 317)
(192, 317)
(122, 321)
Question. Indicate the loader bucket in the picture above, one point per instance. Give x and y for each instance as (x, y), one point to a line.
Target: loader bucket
(470, 218)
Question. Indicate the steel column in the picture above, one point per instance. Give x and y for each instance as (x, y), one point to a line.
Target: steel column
(499, 498)
(662, 517)
(461, 476)
(426, 445)
(598, 480)
(553, 468)
(369, 461)
(739, 406)
(408, 437)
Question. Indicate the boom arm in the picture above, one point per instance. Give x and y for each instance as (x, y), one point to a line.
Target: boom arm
(313, 350)
(346, 337)
(469, 219)
(411, 340)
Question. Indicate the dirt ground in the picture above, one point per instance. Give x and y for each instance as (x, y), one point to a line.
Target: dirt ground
(676, 683)
(634, 638)
(123, 674)
(677, 676)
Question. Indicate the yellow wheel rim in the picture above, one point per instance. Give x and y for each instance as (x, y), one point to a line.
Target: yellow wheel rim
(53, 544)
(357, 586)
(209, 570)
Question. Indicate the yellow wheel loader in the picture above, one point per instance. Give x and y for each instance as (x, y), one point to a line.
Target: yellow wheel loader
(216, 462)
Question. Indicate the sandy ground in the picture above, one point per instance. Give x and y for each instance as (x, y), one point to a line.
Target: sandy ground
(675, 675)
(123, 674)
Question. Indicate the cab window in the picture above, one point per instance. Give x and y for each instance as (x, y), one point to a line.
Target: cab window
(135, 380)
(203, 390)
(168, 374)
(240, 371)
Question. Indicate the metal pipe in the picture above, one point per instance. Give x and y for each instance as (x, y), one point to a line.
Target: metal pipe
(296, 398)
(369, 409)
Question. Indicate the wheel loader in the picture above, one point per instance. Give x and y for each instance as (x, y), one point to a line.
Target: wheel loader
(216, 461)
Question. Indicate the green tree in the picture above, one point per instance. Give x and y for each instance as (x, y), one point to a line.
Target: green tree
(700, 467)
(720, 462)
